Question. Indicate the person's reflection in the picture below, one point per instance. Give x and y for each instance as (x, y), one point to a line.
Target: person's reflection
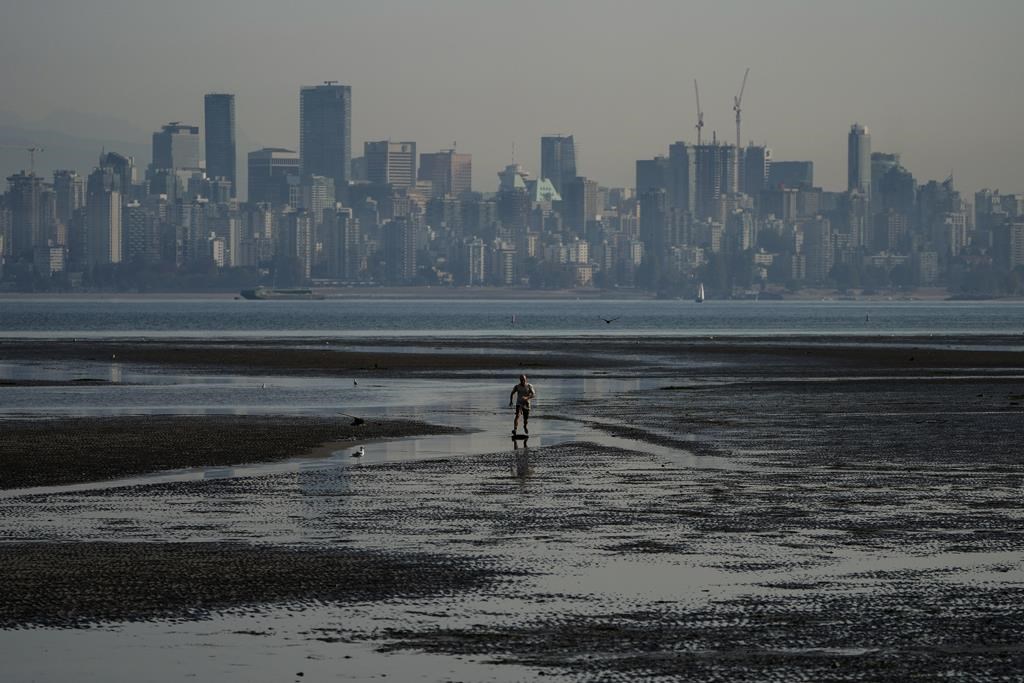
(520, 462)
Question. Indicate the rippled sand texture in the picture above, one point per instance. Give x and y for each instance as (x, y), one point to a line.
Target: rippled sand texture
(868, 527)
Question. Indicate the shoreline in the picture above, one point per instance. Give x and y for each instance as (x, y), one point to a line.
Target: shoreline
(434, 357)
(923, 295)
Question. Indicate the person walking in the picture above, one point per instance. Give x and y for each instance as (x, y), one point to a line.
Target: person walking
(523, 393)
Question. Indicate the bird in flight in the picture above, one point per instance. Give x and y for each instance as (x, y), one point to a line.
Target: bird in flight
(610, 320)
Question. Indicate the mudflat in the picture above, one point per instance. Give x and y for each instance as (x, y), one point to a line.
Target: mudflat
(82, 449)
(853, 513)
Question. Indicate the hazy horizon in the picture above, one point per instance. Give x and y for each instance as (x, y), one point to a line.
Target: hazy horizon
(935, 81)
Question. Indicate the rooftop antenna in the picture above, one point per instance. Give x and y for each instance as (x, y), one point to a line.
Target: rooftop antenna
(700, 114)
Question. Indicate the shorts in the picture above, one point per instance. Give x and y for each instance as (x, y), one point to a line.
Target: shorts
(524, 409)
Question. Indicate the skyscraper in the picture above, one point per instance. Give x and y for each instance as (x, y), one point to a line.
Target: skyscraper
(859, 160)
(24, 200)
(449, 172)
(558, 159)
(103, 218)
(579, 203)
(881, 163)
(219, 110)
(390, 163)
(682, 159)
(654, 222)
(715, 164)
(70, 189)
(317, 198)
(123, 169)
(325, 132)
(791, 174)
(176, 146)
(653, 174)
(269, 169)
(757, 162)
(400, 250)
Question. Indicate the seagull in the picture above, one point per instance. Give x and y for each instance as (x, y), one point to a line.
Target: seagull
(263, 386)
(360, 453)
(610, 320)
(355, 383)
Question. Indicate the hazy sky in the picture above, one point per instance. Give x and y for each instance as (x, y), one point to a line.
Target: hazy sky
(940, 81)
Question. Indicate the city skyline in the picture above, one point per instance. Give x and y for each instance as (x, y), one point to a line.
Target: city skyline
(616, 112)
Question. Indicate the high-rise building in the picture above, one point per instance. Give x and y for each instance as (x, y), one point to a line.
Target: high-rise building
(70, 189)
(24, 201)
(817, 246)
(682, 160)
(558, 159)
(123, 169)
(715, 179)
(176, 146)
(103, 223)
(757, 161)
(400, 250)
(269, 169)
(449, 173)
(325, 132)
(579, 203)
(219, 118)
(317, 197)
(476, 260)
(341, 242)
(294, 258)
(654, 224)
(895, 189)
(881, 163)
(390, 163)
(858, 162)
(795, 174)
(141, 237)
(1015, 244)
(653, 174)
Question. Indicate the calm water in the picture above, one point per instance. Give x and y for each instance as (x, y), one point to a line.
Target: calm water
(354, 318)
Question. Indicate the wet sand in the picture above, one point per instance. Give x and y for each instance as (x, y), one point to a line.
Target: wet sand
(75, 585)
(611, 564)
(261, 357)
(73, 450)
(874, 530)
(436, 357)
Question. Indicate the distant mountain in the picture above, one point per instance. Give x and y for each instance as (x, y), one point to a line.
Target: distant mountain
(74, 140)
(61, 150)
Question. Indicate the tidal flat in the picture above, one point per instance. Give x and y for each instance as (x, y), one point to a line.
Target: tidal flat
(729, 510)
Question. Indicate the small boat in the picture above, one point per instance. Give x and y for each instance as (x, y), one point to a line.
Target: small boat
(700, 293)
(266, 293)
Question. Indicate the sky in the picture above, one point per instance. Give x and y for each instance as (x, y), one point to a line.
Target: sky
(939, 81)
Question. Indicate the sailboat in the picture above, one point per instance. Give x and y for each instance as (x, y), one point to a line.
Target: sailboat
(700, 293)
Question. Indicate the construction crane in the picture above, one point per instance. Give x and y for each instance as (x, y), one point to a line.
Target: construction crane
(736, 107)
(700, 114)
(31, 154)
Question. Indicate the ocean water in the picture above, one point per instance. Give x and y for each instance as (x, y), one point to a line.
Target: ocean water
(199, 318)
